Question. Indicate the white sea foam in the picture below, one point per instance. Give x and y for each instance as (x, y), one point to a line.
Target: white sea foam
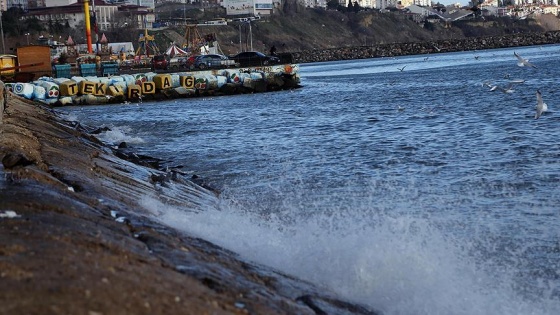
(119, 134)
(9, 214)
(400, 265)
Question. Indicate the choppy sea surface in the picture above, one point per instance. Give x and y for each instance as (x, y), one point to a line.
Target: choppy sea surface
(419, 191)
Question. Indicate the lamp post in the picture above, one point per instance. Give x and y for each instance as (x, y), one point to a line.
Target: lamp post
(27, 35)
(250, 35)
(240, 46)
(2, 33)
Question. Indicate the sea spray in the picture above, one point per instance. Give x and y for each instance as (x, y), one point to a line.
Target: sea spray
(401, 265)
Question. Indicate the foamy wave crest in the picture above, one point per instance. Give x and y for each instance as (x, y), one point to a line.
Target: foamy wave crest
(69, 116)
(118, 135)
(399, 265)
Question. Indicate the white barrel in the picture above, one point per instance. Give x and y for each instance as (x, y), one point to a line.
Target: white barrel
(105, 80)
(66, 100)
(122, 85)
(222, 80)
(116, 78)
(129, 79)
(52, 89)
(233, 76)
(175, 81)
(140, 78)
(78, 79)
(24, 89)
(60, 80)
(39, 92)
(150, 76)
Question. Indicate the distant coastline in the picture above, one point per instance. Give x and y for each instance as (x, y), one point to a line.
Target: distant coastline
(429, 47)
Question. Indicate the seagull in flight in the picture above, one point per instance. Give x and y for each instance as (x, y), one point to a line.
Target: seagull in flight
(402, 69)
(541, 106)
(522, 62)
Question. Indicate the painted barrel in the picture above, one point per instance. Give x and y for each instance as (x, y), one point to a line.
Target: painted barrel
(7, 61)
(24, 89)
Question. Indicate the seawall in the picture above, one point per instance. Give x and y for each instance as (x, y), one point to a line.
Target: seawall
(75, 237)
(93, 90)
(417, 48)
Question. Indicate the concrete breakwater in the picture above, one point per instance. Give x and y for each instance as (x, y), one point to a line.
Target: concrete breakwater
(153, 86)
(417, 48)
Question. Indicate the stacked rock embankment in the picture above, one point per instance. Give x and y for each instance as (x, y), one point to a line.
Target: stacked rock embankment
(418, 48)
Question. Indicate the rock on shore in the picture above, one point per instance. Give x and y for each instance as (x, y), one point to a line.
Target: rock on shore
(74, 240)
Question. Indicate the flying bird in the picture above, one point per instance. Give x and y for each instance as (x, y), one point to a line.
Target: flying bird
(402, 69)
(522, 62)
(541, 106)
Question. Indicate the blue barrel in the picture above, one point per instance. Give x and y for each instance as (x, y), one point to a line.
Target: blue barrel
(88, 70)
(62, 71)
(109, 69)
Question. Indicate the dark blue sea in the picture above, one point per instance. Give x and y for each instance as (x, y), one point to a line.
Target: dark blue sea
(419, 191)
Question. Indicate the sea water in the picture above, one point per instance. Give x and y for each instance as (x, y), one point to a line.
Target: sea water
(421, 191)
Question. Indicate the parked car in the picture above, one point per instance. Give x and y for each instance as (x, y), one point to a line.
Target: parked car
(178, 63)
(211, 61)
(254, 58)
(160, 62)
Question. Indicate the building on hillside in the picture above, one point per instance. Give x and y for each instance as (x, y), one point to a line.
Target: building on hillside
(370, 4)
(384, 4)
(73, 14)
(420, 10)
(249, 7)
(265, 7)
(315, 3)
(142, 3)
(58, 3)
(22, 4)
(36, 3)
(550, 9)
(136, 16)
(405, 3)
(107, 15)
(422, 3)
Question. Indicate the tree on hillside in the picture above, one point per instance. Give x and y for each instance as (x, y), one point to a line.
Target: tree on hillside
(350, 7)
(11, 22)
(332, 4)
(291, 7)
(357, 7)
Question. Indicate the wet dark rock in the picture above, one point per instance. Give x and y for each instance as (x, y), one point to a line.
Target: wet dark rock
(326, 306)
(12, 160)
(100, 130)
(202, 183)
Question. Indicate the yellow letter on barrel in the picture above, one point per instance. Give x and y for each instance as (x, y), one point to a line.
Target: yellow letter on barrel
(162, 81)
(148, 88)
(187, 81)
(134, 91)
(86, 87)
(68, 88)
(115, 90)
(99, 89)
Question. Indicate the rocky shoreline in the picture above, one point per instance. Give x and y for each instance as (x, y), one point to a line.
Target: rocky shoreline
(418, 48)
(75, 238)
